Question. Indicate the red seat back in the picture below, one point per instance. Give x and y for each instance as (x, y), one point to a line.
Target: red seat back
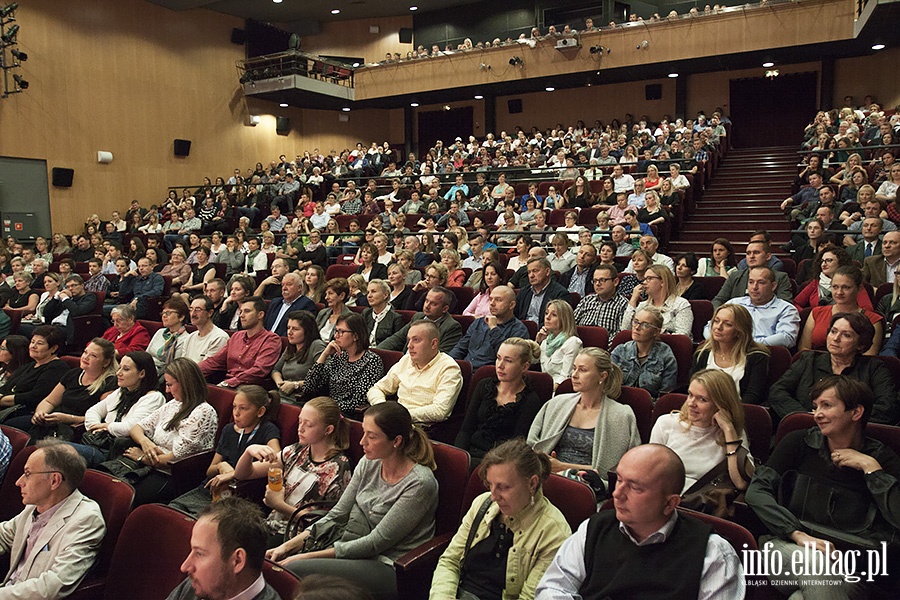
(287, 419)
(452, 475)
(221, 399)
(115, 498)
(593, 337)
(10, 495)
(280, 578)
(18, 439)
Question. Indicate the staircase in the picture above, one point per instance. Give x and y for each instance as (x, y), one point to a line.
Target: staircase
(743, 196)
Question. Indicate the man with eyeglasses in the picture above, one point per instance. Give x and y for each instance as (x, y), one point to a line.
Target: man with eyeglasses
(69, 303)
(604, 308)
(776, 322)
(208, 339)
(250, 354)
(650, 245)
(54, 541)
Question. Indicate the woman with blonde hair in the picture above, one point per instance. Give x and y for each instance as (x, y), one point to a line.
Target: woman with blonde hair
(660, 287)
(503, 406)
(456, 277)
(435, 274)
(314, 283)
(399, 290)
(708, 432)
(406, 259)
(558, 340)
(387, 510)
(587, 429)
(731, 348)
(514, 474)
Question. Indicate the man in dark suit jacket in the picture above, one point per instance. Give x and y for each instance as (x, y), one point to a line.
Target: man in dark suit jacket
(875, 267)
(870, 244)
(436, 310)
(579, 279)
(290, 301)
(531, 303)
(76, 301)
(758, 255)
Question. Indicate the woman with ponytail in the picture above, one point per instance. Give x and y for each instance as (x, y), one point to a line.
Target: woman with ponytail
(515, 507)
(315, 469)
(387, 510)
(587, 429)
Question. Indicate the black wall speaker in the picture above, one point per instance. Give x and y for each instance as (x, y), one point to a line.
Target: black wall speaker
(653, 91)
(406, 35)
(182, 147)
(238, 36)
(282, 125)
(62, 177)
(514, 106)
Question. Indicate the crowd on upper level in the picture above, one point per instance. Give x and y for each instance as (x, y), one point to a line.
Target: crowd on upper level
(532, 323)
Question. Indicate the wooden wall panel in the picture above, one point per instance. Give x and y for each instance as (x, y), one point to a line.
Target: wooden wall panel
(873, 75)
(352, 38)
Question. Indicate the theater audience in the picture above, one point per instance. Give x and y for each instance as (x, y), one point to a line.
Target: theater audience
(659, 286)
(169, 341)
(849, 336)
(492, 276)
(437, 310)
(722, 261)
(337, 291)
(586, 429)
(483, 337)
(346, 368)
(387, 510)
(36, 378)
(558, 340)
(514, 475)
(382, 321)
(425, 380)
(208, 339)
(833, 457)
(304, 347)
(14, 352)
(249, 354)
(183, 425)
(731, 348)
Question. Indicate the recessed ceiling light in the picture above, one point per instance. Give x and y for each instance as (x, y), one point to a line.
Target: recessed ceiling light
(768, 65)
(356, 64)
(413, 8)
(346, 109)
(479, 97)
(336, 11)
(878, 47)
(283, 105)
(550, 89)
(277, 1)
(414, 104)
(673, 75)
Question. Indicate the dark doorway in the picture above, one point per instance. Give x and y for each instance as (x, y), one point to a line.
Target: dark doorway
(444, 125)
(772, 112)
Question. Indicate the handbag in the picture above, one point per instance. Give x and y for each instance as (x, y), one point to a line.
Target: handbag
(829, 510)
(125, 469)
(100, 439)
(714, 493)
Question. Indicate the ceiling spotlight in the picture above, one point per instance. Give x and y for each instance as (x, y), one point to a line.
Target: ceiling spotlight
(277, 1)
(516, 61)
(446, 107)
(10, 36)
(23, 84)
(413, 8)
(479, 97)
(283, 105)
(255, 120)
(673, 75)
(768, 65)
(878, 47)
(414, 104)
(19, 55)
(550, 89)
(346, 109)
(356, 64)
(336, 11)
(8, 9)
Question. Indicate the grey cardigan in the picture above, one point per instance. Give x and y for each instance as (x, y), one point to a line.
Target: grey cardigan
(616, 431)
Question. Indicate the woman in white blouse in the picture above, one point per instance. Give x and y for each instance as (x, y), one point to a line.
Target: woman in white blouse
(184, 425)
(659, 288)
(559, 344)
(136, 397)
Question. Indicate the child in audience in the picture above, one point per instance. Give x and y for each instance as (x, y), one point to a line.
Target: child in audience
(314, 469)
(252, 409)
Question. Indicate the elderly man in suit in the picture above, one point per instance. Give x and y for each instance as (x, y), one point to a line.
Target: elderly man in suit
(879, 269)
(53, 543)
(531, 303)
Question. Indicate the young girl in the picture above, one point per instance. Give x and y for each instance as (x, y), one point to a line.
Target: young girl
(314, 469)
(252, 409)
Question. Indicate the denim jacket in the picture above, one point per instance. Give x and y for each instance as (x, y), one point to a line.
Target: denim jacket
(657, 374)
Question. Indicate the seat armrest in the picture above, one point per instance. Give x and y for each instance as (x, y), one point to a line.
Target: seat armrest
(425, 553)
(189, 471)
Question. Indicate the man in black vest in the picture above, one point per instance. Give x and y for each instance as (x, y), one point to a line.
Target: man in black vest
(644, 549)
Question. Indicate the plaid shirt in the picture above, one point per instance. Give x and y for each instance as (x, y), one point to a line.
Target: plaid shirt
(97, 283)
(592, 310)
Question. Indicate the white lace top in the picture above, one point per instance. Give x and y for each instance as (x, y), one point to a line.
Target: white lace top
(195, 433)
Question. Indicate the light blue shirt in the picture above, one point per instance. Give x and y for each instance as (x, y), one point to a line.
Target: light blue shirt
(776, 323)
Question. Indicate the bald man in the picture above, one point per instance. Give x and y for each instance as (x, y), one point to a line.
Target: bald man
(483, 338)
(425, 380)
(644, 547)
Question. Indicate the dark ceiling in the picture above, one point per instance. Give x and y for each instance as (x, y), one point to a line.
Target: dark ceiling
(297, 14)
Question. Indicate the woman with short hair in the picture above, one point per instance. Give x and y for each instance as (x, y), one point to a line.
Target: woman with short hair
(33, 381)
(485, 567)
(126, 334)
(381, 319)
(659, 286)
(337, 291)
(168, 342)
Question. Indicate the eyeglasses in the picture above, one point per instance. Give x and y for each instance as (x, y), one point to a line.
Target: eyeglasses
(635, 324)
(27, 474)
(169, 312)
(602, 279)
(340, 332)
(828, 260)
(652, 277)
